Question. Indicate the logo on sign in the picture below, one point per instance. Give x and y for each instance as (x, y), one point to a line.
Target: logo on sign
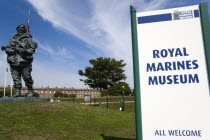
(179, 15)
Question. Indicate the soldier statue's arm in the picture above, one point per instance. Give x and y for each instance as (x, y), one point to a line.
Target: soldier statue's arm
(12, 47)
(3, 48)
(8, 49)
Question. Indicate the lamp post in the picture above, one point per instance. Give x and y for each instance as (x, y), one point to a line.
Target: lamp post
(123, 92)
(108, 89)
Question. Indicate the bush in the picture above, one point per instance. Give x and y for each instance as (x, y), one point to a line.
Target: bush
(7, 92)
(35, 94)
(72, 95)
(65, 95)
(58, 94)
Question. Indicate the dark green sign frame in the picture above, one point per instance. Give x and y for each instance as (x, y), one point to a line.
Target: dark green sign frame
(206, 38)
(206, 33)
(136, 74)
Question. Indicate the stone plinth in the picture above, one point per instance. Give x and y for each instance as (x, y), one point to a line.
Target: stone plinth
(22, 99)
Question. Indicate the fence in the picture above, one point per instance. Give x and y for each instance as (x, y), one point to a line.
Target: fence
(116, 103)
(111, 102)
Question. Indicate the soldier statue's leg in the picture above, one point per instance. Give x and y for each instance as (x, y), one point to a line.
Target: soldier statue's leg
(26, 74)
(16, 76)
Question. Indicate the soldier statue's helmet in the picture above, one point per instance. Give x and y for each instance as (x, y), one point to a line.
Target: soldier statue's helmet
(20, 26)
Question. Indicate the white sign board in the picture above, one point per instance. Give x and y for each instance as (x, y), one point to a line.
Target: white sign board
(87, 98)
(174, 87)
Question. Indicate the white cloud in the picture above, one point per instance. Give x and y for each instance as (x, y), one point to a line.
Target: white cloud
(55, 51)
(104, 25)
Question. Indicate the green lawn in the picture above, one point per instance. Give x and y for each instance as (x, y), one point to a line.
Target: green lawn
(64, 120)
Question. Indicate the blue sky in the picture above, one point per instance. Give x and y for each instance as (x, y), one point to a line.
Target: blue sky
(70, 32)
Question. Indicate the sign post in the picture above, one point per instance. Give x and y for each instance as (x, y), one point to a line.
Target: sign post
(171, 59)
(136, 74)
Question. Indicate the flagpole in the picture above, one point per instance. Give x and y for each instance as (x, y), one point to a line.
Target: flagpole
(5, 81)
(11, 88)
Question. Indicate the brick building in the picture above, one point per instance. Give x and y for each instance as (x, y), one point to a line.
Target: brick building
(49, 92)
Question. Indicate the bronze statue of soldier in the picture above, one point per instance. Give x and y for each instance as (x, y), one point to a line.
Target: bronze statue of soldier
(20, 52)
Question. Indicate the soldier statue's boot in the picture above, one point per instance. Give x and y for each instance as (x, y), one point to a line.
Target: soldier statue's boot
(18, 93)
(30, 92)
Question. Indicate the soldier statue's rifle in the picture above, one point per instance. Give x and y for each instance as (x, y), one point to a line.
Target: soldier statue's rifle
(28, 27)
(3, 48)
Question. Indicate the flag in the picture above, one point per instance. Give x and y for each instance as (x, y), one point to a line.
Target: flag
(28, 23)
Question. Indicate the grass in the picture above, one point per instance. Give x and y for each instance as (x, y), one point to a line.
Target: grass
(64, 120)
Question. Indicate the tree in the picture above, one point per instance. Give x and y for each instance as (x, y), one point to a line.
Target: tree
(104, 73)
(117, 89)
(58, 94)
